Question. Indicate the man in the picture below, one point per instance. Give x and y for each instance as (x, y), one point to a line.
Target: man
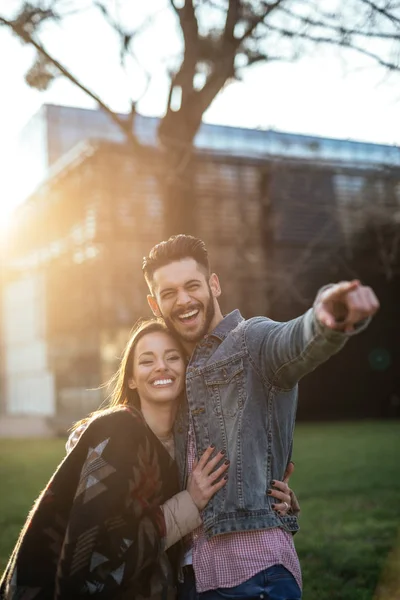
(241, 384)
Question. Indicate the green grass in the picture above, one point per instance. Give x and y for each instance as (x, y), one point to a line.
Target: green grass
(25, 468)
(346, 478)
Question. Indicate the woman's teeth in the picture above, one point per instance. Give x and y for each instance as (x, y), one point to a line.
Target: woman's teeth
(162, 382)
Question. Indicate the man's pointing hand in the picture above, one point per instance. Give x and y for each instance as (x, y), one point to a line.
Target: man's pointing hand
(345, 304)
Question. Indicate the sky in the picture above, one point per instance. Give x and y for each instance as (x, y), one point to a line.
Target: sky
(331, 94)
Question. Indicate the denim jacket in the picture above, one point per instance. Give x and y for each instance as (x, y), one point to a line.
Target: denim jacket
(241, 387)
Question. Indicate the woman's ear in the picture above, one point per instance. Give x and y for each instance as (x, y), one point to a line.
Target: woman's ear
(132, 384)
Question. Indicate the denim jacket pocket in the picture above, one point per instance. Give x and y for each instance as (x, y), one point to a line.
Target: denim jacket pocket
(226, 387)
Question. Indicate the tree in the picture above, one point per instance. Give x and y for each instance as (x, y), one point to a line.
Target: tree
(218, 41)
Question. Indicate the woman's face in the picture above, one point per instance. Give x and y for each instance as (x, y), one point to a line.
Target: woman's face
(158, 368)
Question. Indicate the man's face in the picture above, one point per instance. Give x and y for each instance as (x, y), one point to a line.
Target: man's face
(186, 299)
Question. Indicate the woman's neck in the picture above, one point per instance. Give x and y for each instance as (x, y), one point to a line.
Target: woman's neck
(159, 418)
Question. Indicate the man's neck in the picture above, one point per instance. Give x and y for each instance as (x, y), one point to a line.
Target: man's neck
(189, 347)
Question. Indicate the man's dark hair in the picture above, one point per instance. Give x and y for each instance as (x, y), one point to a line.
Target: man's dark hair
(175, 248)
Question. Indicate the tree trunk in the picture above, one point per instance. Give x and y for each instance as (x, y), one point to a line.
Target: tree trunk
(176, 134)
(179, 193)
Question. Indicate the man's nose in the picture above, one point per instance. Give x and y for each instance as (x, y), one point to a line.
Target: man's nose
(183, 298)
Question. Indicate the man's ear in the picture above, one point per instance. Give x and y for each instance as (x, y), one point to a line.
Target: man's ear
(132, 384)
(153, 305)
(214, 285)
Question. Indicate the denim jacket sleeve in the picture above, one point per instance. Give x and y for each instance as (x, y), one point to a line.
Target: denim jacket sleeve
(285, 352)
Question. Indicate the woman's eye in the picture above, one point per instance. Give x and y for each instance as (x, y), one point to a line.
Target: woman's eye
(174, 357)
(145, 362)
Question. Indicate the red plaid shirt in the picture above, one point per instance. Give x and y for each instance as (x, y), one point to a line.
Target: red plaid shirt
(230, 559)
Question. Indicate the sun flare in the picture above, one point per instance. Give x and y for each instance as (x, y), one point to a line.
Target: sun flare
(7, 207)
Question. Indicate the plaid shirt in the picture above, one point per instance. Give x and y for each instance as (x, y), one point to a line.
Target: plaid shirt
(230, 559)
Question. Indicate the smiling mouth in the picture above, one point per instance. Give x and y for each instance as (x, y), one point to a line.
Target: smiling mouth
(162, 382)
(189, 315)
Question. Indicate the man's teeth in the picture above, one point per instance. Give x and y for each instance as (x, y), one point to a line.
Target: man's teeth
(187, 315)
(162, 381)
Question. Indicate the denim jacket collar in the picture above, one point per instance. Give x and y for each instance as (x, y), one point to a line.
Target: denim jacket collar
(228, 323)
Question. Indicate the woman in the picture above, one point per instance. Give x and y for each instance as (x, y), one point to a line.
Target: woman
(103, 525)
(106, 523)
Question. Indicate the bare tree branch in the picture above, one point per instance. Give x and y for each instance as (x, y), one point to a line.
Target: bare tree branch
(27, 37)
(187, 20)
(214, 49)
(225, 71)
(391, 66)
(260, 19)
(124, 35)
(383, 11)
(257, 58)
(341, 30)
(232, 17)
(184, 77)
(126, 38)
(174, 7)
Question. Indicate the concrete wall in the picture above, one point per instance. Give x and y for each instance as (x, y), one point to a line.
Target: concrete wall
(29, 385)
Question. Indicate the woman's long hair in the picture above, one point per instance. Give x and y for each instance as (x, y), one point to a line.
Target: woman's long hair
(122, 394)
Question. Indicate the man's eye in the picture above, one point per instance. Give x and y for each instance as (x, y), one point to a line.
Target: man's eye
(192, 287)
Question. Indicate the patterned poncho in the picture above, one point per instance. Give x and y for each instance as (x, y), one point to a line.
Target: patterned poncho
(97, 529)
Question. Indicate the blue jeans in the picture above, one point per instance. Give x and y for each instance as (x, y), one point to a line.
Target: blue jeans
(275, 583)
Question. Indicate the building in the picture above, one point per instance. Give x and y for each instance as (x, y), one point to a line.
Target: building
(272, 207)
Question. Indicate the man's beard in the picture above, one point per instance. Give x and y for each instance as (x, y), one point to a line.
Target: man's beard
(195, 337)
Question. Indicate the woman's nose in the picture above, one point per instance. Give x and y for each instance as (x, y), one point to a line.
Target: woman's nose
(161, 365)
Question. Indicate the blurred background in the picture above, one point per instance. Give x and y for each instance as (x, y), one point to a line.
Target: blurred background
(271, 130)
(268, 129)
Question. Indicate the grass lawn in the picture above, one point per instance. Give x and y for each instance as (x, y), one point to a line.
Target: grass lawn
(347, 480)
